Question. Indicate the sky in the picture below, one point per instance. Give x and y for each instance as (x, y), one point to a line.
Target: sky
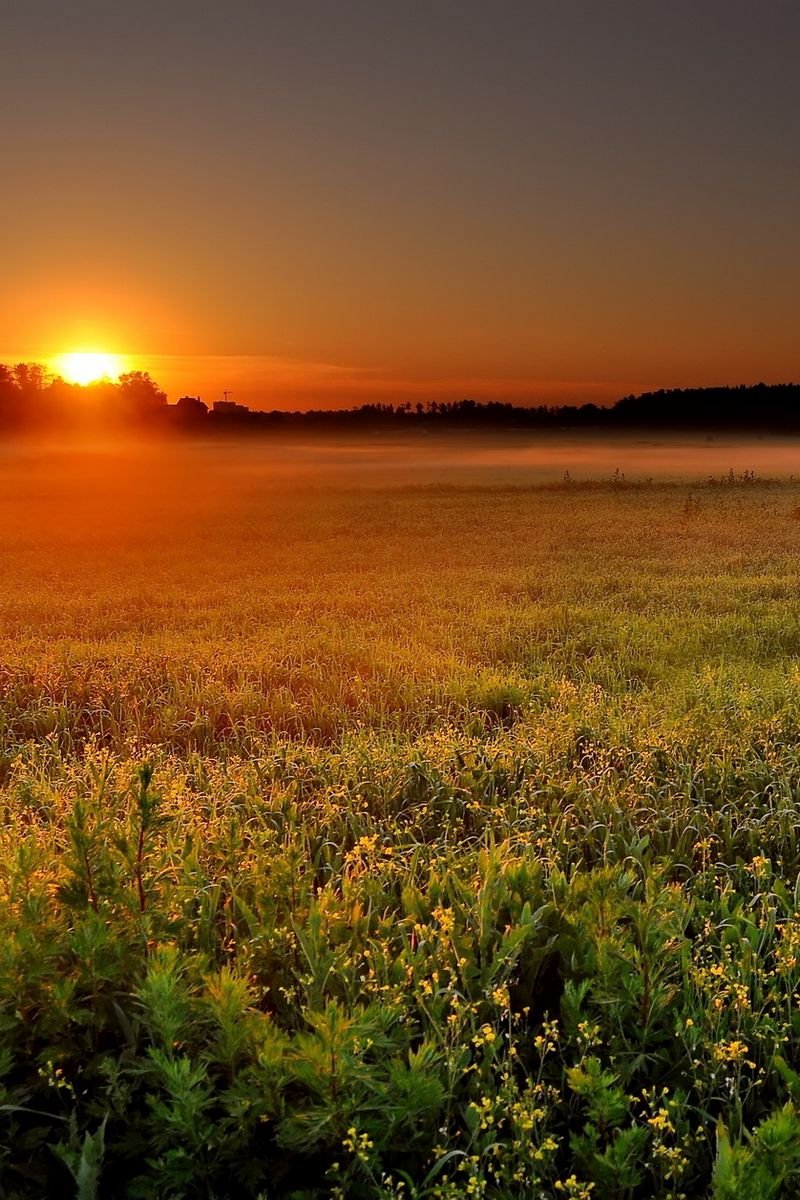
(320, 204)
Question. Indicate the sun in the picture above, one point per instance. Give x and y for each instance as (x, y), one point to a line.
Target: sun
(89, 366)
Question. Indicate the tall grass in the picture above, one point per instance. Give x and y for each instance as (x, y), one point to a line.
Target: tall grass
(399, 842)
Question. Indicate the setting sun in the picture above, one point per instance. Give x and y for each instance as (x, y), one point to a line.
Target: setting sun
(84, 367)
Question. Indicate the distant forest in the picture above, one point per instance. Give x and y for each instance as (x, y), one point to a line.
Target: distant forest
(31, 399)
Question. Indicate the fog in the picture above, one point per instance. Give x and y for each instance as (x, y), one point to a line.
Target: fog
(135, 533)
(92, 484)
(464, 459)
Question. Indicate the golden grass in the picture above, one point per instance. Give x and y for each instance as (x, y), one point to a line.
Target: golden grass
(373, 838)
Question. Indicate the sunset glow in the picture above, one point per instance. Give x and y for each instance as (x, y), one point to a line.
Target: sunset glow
(517, 206)
(84, 367)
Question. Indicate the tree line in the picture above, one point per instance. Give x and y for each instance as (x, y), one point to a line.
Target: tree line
(31, 399)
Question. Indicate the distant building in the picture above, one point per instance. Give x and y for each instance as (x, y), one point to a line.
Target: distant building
(229, 408)
(191, 408)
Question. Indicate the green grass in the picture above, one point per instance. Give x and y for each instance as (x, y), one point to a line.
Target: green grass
(367, 839)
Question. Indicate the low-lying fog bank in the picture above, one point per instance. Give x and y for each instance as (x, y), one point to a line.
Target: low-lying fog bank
(425, 458)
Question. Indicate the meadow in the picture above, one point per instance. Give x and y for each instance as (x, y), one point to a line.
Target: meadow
(399, 823)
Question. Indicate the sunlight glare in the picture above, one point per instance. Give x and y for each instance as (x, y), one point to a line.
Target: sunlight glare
(84, 367)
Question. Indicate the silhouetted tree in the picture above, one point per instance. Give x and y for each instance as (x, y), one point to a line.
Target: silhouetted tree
(31, 378)
(33, 381)
(30, 398)
(10, 396)
(140, 396)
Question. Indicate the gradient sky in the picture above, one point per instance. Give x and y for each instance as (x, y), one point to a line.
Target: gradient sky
(332, 202)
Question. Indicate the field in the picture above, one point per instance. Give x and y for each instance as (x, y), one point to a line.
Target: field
(415, 826)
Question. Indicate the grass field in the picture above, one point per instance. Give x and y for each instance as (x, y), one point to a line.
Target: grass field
(369, 830)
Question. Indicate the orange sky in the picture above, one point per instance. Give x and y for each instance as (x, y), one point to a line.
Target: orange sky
(322, 205)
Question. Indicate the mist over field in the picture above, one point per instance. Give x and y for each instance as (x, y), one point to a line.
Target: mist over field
(182, 474)
(377, 810)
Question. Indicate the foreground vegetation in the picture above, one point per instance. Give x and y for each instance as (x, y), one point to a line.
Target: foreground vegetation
(398, 842)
